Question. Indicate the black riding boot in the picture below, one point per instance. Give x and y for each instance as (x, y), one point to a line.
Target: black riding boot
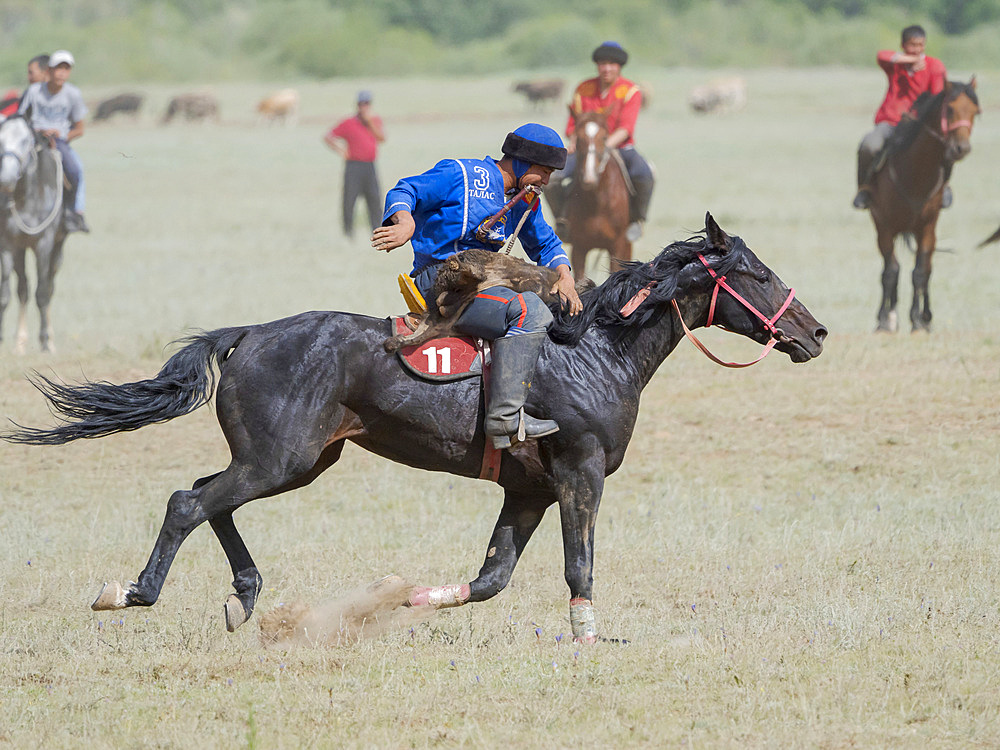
(72, 221)
(514, 359)
(865, 163)
(638, 207)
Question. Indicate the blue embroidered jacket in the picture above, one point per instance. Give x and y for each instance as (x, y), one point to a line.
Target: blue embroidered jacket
(451, 200)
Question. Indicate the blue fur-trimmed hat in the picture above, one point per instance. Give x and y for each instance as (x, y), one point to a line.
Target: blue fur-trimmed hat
(610, 52)
(536, 144)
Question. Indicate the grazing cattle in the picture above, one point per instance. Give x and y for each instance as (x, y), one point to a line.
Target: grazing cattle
(123, 103)
(193, 107)
(540, 92)
(281, 105)
(721, 95)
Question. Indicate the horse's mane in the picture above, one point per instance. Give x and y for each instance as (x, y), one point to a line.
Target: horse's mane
(926, 104)
(602, 305)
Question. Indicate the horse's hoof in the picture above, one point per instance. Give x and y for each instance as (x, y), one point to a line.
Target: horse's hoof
(236, 613)
(112, 596)
(440, 597)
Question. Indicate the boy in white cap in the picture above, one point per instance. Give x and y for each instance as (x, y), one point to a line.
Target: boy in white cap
(56, 111)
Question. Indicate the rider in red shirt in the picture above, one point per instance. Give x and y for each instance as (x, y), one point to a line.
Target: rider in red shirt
(620, 99)
(910, 74)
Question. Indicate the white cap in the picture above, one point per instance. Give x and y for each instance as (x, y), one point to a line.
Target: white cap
(61, 56)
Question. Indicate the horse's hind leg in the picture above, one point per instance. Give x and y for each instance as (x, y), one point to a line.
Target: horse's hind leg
(246, 579)
(186, 510)
(518, 520)
(887, 320)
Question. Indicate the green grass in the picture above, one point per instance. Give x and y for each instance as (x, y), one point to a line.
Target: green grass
(799, 555)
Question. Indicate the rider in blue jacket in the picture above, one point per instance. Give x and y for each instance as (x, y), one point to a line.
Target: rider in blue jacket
(439, 211)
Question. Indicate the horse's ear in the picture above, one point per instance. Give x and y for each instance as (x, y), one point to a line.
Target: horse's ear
(713, 233)
(972, 83)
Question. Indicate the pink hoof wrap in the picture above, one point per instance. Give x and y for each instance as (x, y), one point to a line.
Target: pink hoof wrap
(439, 597)
(581, 620)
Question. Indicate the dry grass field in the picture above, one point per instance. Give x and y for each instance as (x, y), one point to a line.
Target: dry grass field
(799, 556)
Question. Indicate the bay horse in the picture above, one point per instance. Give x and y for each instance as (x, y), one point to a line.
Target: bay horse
(597, 204)
(292, 392)
(907, 191)
(31, 216)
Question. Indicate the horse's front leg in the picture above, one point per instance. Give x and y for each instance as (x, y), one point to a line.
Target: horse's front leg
(48, 258)
(21, 337)
(579, 487)
(579, 255)
(621, 253)
(887, 320)
(6, 269)
(920, 311)
(518, 520)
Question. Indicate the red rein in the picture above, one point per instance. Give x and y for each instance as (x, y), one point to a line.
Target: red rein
(720, 281)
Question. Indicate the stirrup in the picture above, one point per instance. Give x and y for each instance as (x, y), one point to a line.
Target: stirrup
(502, 442)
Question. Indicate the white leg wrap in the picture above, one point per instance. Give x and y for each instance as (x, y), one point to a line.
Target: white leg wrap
(581, 619)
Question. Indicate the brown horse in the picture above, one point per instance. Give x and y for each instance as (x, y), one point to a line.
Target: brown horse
(597, 206)
(907, 191)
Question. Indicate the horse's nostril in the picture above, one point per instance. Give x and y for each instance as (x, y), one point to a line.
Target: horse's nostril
(820, 334)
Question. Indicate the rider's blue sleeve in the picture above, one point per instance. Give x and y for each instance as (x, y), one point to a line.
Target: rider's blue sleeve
(423, 191)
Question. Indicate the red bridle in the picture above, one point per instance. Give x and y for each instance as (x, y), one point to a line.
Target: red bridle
(947, 127)
(720, 282)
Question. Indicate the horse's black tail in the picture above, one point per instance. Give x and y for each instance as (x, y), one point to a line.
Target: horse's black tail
(97, 409)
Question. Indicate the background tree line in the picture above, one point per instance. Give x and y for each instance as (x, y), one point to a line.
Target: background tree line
(175, 40)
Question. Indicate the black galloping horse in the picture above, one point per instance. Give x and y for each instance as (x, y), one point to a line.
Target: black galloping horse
(30, 217)
(292, 392)
(908, 190)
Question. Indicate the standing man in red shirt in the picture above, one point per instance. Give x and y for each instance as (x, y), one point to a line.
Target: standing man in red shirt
(910, 74)
(620, 99)
(357, 139)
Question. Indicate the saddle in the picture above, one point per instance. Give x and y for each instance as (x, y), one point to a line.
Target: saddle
(443, 359)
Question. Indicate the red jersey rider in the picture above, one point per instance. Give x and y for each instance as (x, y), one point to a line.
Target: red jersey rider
(910, 74)
(620, 99)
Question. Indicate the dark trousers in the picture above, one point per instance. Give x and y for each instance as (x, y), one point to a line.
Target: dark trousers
(639, 171)
(495, 312)
(360, 179)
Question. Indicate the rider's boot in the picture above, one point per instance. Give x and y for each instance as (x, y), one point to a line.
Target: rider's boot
(73, 220)
(864, 197)
(639, 207)
(946, 197)
(514, 359)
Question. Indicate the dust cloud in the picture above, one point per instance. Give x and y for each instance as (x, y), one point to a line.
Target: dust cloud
(363, 613)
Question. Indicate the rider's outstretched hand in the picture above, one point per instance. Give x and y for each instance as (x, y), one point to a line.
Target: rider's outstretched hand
(396, 234)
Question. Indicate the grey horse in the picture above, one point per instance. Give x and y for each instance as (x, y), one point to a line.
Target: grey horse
(31, 216)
